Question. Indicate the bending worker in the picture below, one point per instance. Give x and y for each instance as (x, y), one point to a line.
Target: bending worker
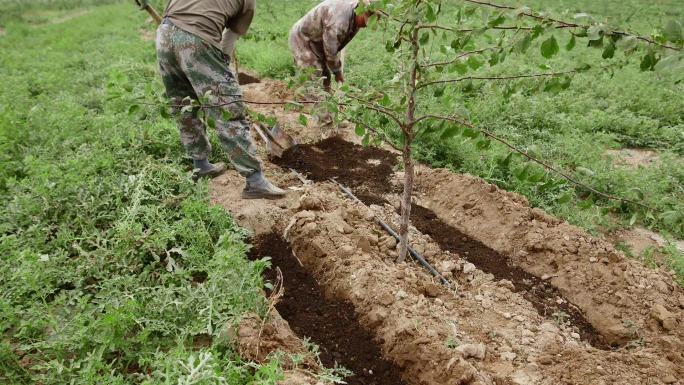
(317, 40)
(192, 62)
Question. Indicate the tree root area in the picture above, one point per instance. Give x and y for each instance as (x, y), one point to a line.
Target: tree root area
(330, 323)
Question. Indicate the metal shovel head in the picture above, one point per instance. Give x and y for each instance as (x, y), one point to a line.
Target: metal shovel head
(272, 147)
(280, 137)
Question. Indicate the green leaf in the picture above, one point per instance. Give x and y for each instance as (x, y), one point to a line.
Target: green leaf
(627, 43)
(598, 43)
(470, 133)
(133, 109)
(390, 47)
(164, 111)
(303, 120)
(505, 162)
(522, 173)
(639, 193)
(633, 219)
(450, 132)
(523, 44)
(648, 62)
(495, 22)
(424, 38)
(458, 66)
(366, 140)
(673, 31)
(565, 198)
(360, 131)
(608, 51)
(537, 177)
(211, 122)
(483, 144)
(439, 91)
(571, 43)
(585, 171)
(430, 15)
(549, 47)
(594, 32)
(474, 62)
(494, 59)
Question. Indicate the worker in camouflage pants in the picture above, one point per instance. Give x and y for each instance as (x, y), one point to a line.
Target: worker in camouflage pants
(192, 65)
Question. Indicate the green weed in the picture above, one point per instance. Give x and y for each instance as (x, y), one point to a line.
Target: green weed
(113, 262)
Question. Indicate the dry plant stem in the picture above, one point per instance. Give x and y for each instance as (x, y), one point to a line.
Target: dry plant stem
(407, 130)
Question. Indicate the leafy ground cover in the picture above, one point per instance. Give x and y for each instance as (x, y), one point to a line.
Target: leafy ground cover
(575, 129)
(114, 267)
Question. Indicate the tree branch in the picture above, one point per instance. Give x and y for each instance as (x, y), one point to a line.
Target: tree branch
(565, 24)
(465, 122)
(540, 75)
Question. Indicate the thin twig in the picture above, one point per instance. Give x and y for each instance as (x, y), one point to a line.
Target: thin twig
(511, 77)
(566, 24)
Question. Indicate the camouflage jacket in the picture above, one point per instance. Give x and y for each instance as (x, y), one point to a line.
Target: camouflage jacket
(327, 29)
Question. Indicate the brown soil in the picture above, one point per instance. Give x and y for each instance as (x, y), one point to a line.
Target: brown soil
(621, 298)
(633, 157)
(639, 240)
(332, 324)
(367, 170)
(543, 296)
(245, 78)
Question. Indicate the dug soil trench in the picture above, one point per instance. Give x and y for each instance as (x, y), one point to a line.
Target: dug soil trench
(486, 330)
(332, 324)
(368, 172)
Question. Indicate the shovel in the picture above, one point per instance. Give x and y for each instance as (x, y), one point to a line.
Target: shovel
(153, 13)
(277, 140)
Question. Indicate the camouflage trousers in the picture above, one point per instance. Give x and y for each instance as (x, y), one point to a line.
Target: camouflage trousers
(190, 67)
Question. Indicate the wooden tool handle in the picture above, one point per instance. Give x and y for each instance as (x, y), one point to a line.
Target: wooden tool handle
(155, 16)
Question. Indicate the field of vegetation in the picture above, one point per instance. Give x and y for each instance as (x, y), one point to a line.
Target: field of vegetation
(106, 242)
(104, 236)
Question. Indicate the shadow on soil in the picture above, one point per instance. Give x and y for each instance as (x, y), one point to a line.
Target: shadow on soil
(331, 324)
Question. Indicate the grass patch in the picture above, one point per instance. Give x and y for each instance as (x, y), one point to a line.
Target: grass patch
(114, 266)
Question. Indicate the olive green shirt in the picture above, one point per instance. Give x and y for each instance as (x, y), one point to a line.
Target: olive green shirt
(208, 18)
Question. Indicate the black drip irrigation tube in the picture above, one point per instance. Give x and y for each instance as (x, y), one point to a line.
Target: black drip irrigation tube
(419, 258)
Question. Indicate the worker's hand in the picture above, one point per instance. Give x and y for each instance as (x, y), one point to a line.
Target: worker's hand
(339, 77)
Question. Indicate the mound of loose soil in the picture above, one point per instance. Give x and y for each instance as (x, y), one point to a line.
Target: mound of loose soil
(622, 299)
(367, 170)
(544, 297)
(487, 330)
